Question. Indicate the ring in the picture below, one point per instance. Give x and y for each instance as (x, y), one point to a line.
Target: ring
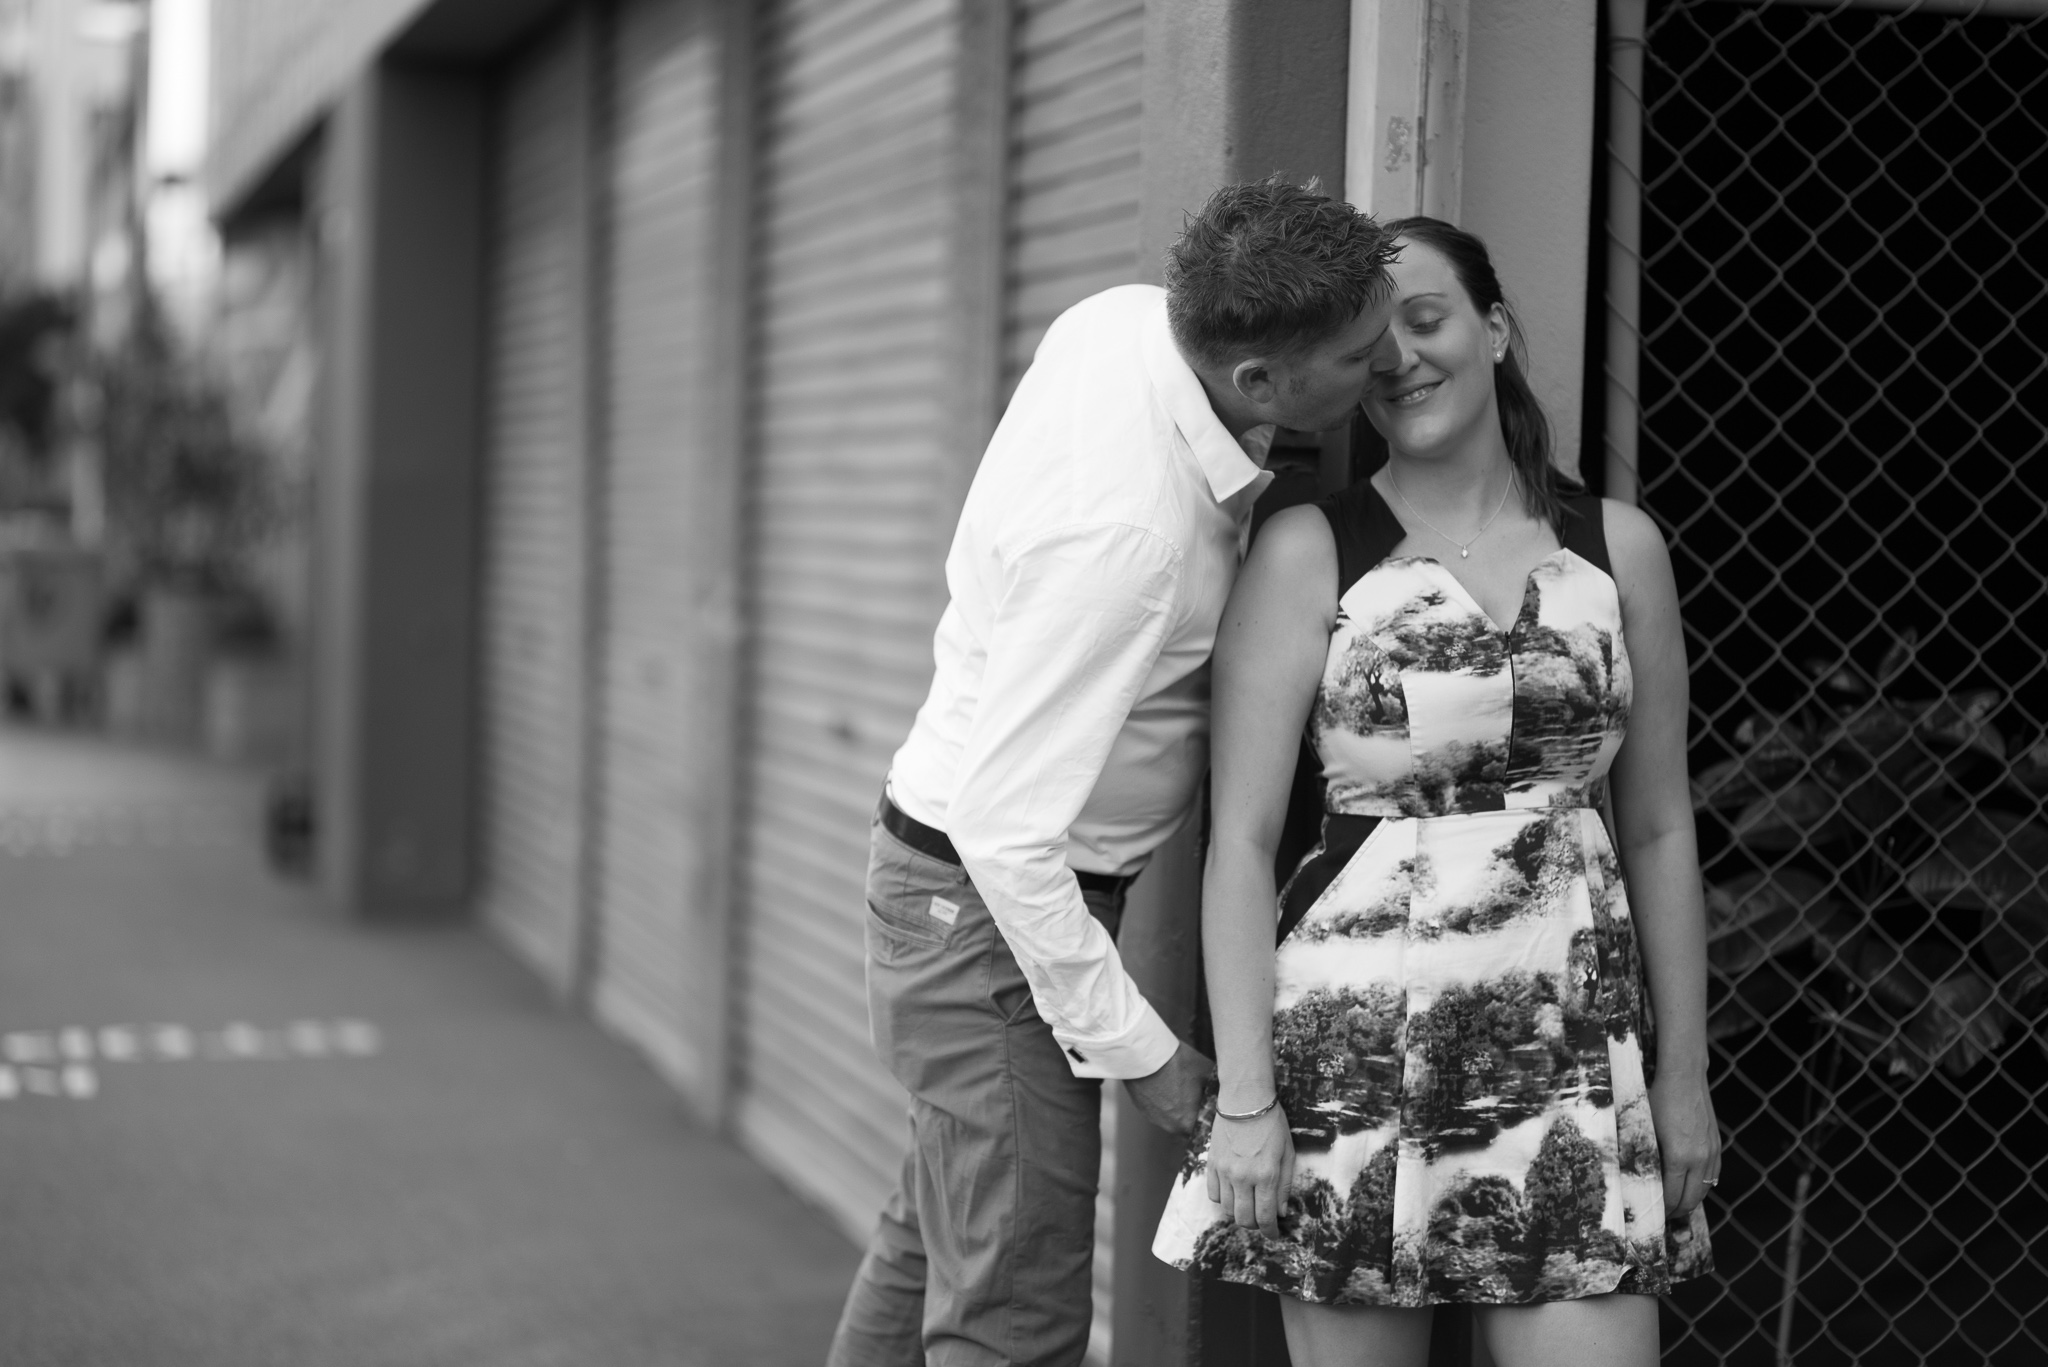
(1710, 1181)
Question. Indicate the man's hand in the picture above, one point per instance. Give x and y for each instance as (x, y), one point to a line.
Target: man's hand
(1172, 1097)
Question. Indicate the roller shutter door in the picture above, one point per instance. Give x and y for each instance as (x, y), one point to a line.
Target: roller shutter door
(1073, 229)
(845, 562)
(533, 584)
(661, 164)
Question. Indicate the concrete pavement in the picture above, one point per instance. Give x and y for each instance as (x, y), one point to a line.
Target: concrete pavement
(238, 1130)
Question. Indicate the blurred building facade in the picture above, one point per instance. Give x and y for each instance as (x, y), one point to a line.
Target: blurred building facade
(642, 354)
(70, 191)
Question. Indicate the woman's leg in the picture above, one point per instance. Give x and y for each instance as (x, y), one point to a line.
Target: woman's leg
(1354, 1335)
(1598, 1331)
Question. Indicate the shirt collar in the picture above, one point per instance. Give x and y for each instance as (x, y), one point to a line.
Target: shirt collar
(1229, 463)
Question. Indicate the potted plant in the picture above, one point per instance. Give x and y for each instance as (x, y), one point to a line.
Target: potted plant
(187, 499)
(1882, 886)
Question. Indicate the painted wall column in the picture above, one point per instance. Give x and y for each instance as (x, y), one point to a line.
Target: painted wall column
(400, 213)
(1624, 418)
(1481, 112)
(719, 622)
(1234, 90)
(1528, 182)
(1406, 107)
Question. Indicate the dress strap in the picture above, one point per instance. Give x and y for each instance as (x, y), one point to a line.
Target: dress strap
(1366, 530)
(1584, 533)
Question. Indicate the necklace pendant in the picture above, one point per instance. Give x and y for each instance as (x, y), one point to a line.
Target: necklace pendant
(1464, 554)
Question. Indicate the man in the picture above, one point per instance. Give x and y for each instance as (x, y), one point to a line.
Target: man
(1062, 743)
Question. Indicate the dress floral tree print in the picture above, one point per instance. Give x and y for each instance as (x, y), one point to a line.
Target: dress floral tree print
(1460, 1036)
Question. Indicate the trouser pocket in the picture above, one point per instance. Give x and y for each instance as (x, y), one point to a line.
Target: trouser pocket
(927, 953)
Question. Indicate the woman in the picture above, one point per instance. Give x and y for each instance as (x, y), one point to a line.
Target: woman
(1445, 1085)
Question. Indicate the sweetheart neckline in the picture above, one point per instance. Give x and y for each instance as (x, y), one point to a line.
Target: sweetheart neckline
(1471, 600)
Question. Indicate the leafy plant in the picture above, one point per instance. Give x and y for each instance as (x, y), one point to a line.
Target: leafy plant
(1884, 884)
(190, 495)
(31, 326)
(1899, 843)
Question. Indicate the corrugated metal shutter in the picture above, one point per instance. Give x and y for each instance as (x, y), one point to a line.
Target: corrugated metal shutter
(1074, 162)
(533, 580)
(845, 561)
(1076, 95)
(661, 170)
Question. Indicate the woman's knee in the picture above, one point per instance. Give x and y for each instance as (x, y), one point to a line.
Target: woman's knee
(1616, 1330)
(1354, 1335)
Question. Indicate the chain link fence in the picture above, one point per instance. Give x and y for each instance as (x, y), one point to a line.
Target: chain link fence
(1844, 401)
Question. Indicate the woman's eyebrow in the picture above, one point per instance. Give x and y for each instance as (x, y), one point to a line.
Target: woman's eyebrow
(1426, 294)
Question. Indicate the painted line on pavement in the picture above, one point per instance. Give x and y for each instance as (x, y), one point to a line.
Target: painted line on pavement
(60, 1063)
(62, 828)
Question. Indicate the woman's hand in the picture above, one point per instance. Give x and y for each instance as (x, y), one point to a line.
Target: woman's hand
(1251, 1168)
(1688, 1138)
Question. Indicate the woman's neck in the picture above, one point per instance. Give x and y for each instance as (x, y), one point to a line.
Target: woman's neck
(1463, 482)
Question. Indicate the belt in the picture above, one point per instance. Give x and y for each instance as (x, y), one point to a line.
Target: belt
(934, 842)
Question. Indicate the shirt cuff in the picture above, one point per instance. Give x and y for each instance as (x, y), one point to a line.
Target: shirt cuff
(1139, 1052)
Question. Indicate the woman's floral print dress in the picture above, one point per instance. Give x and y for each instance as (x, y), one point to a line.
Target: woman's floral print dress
(1459, 1027)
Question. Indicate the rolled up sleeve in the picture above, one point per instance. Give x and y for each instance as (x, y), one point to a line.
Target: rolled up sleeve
(1083, 615)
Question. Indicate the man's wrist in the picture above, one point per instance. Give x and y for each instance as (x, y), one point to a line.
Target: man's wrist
(1147, 1048)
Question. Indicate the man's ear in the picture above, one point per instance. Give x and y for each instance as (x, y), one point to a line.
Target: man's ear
(1254, 379)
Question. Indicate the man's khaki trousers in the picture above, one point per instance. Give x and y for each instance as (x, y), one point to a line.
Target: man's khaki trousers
(982, 1257)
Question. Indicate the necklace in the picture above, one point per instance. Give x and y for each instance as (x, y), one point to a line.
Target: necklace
(1464, 547)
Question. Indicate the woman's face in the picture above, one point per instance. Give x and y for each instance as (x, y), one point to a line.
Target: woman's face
(1432, 375)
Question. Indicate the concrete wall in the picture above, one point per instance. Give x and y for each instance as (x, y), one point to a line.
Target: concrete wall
(1236, 90)
(277, 66)
(280, 65)
(1528, 180)
(400, 201)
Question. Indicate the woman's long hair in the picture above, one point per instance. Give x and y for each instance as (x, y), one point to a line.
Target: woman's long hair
(1522, 421)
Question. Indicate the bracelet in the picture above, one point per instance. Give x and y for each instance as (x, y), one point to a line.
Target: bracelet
(1222, 1114)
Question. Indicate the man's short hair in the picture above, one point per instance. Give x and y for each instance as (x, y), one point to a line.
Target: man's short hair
(1267, 269)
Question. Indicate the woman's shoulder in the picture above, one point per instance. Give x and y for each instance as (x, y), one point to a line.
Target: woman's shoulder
(1290, 573)
(1639, 561)
(1295, 540)
(1633, 539)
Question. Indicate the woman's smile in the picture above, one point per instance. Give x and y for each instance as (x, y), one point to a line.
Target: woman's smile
(1413, 394)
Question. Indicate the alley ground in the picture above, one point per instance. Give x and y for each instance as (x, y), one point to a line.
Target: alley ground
(240, 1130)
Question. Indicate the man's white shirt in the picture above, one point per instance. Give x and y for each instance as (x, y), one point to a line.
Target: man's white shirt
(1068, 723)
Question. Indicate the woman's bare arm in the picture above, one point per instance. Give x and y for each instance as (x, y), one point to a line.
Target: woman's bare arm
(1270, 650)
(1660, 855)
